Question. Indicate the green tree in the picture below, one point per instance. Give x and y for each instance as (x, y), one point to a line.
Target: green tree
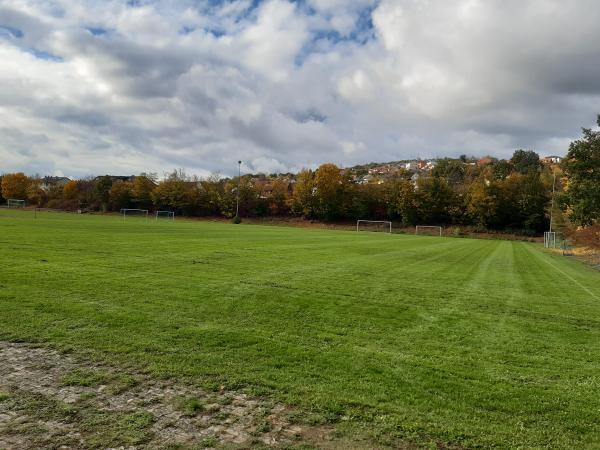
(452, 170)
(501, 169)
(581, 166)
(102, 191)
(525, 202)
(176, 192)
(434, 200)
(525, 161)
(403, 201)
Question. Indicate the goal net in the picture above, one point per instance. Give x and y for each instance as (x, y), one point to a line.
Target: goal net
(374, 225)
(169, 215)
(430, 230)
(131, 212)
(15, 203)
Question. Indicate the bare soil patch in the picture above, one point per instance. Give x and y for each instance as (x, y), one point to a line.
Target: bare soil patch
(53, 401)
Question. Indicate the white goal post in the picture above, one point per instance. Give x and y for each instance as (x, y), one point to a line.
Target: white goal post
(15, 203)
(431, 227)
(550, 239)
(133, 211)
(166, 214)
(383, 225)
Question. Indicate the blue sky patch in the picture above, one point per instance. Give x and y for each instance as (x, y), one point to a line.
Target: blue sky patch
(41, 54)
(10, 32)
(97, 31)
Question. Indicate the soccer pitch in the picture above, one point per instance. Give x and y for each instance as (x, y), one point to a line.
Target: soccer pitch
(396, 338)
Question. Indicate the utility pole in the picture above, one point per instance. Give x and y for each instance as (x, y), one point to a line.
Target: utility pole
(237, 205)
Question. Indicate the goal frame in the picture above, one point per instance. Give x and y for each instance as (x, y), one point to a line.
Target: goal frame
(15, 201)
(427, 226)
(170, 215)
(358, 222)
(549, 239)
(125, 210)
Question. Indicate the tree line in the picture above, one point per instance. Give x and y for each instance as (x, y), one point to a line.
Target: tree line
(497, 194)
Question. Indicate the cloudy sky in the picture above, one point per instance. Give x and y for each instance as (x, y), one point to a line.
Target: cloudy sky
(106, 86)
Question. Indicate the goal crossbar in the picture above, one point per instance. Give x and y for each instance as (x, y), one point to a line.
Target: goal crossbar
(125, 211)
(387, 223)
(15, 203)
(167, 214)
(418, 227)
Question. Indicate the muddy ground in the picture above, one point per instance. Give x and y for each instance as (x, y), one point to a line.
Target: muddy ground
(50, 400)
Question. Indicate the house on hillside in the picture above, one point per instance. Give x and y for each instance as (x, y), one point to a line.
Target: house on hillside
(552, 160)
(50, 182)
(117, 177)
(486, 160)
(430, 165)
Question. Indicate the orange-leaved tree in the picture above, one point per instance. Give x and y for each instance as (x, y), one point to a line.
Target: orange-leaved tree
(15, 185)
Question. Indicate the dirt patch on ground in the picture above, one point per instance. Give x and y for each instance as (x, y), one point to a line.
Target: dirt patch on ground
(52, 401)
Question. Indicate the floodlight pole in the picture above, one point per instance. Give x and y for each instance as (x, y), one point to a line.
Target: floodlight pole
(237, 204)
(552, 202)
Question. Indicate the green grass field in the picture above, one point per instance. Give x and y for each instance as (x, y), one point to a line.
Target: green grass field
(476, 343)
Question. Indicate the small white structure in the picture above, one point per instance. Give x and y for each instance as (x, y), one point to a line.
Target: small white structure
(433, 228)
(549, 239)
(134, 212)
(165, 214)
(374, 225)
(15, 203)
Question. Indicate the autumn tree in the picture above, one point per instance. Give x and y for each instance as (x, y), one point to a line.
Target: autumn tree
(15, 185)
(329, 185)
(304, 200)
(483, 202)
(120, 195)
(141, 191)
(250, 203)
(279, 200)
(35, 194)
(212, 192)
(177, 192)
(71, 189)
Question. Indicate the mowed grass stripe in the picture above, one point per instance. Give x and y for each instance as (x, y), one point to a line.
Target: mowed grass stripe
(418, 338)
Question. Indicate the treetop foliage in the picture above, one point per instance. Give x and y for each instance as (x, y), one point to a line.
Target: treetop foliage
(581, 166)
(489, 193)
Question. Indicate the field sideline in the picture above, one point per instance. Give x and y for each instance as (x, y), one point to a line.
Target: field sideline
(474, 343)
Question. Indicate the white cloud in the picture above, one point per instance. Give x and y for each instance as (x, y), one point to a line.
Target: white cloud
(95, 87)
